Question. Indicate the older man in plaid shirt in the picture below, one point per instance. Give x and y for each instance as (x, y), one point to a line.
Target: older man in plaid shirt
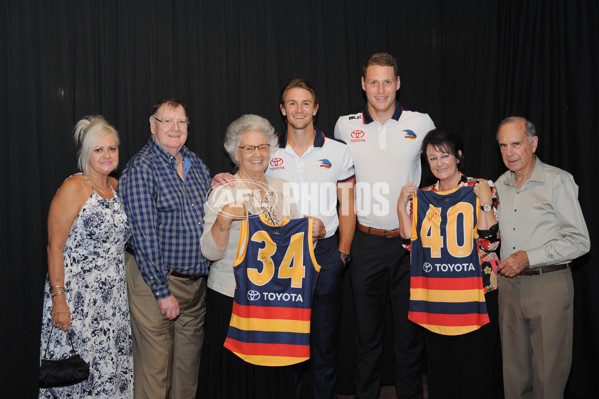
(163, 188)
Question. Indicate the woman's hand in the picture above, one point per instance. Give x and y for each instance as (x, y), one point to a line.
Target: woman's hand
(483, 192)
(222, 225)
(61, 320)
(65, 207)
(485, 197)
(232, 211)
(405, 220)
(61, 314)
(406, 194)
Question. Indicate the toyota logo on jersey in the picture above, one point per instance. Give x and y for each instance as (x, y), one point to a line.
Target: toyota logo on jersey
(357, 136)
(276, 163)
(427, 267)
(253, 295)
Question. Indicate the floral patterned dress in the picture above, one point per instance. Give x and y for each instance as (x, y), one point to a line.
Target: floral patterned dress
(96, 292)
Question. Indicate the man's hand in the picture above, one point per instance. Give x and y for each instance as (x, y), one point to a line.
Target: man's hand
(222, 179)
(318, 230)
(514, 264)
(169, 307)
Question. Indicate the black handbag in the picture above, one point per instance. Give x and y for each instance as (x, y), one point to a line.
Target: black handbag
(62, 372)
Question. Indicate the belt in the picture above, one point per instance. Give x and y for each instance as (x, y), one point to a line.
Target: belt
(171, 272)
(544, 269)
(378, 232)
(175, 273)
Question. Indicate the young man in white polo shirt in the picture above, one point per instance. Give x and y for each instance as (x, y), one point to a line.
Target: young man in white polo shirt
(385, 144)
(321, 173)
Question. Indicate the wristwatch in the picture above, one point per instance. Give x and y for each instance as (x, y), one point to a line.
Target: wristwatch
(344, 257)
(486, 208)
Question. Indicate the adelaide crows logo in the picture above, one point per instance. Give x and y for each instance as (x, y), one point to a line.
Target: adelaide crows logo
(325, 163)
(410, 134)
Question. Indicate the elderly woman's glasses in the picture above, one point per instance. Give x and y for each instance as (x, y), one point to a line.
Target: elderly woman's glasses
(182, 123)
(249, 149)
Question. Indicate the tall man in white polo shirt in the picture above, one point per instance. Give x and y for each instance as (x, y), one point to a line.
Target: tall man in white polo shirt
(385, 144)
(320, 173)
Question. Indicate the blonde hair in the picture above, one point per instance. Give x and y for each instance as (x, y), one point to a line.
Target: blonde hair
(87, 134)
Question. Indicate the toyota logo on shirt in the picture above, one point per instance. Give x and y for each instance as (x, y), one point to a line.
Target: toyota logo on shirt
(357, 136)
(276, 163)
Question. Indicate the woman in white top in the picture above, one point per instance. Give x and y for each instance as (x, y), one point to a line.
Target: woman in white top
(248, 141)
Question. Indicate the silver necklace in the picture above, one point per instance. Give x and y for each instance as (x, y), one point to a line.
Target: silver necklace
(96, 186)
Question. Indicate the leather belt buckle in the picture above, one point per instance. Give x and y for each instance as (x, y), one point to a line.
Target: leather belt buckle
(544, 269)
(391, 233)
(378, 232)
(175, 273)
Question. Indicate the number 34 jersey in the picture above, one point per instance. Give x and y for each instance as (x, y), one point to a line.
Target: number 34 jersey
(446, 292)
(275, 271)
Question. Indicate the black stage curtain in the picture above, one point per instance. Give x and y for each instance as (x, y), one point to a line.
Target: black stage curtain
(467, 63)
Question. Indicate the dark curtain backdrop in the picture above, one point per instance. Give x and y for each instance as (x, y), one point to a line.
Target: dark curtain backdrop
(467, 63)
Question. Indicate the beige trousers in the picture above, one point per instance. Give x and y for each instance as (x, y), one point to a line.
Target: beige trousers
(166, 353)
(536, 327)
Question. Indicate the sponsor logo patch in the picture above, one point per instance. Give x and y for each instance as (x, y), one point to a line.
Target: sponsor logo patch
(276, 164)
(357, 136)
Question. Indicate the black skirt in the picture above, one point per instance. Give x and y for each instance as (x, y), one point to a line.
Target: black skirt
(223, 374)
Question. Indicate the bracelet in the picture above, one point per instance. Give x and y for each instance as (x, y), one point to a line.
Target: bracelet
(52, 313)
(57, 293)
(57, 286)
(222, 226)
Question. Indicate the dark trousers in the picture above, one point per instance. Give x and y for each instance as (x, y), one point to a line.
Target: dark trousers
(380, 274)
(468, 365)
(326, 318)
(325, 321)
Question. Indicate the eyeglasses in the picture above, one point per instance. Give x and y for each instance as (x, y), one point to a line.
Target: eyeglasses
(182, 123)
(249, 149)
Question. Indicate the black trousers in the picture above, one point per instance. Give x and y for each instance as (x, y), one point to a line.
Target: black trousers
(325, 324)
(380, 274)
(326, 317)
(468, 365)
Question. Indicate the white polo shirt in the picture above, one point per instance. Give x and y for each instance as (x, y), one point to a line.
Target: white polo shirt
(386, 158)
(313, 177)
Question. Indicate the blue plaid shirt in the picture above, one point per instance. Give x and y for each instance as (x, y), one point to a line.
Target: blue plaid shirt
(165, 214)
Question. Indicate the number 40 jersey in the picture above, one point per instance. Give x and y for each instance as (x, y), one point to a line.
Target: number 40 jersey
(275, 272)
(446, 292)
